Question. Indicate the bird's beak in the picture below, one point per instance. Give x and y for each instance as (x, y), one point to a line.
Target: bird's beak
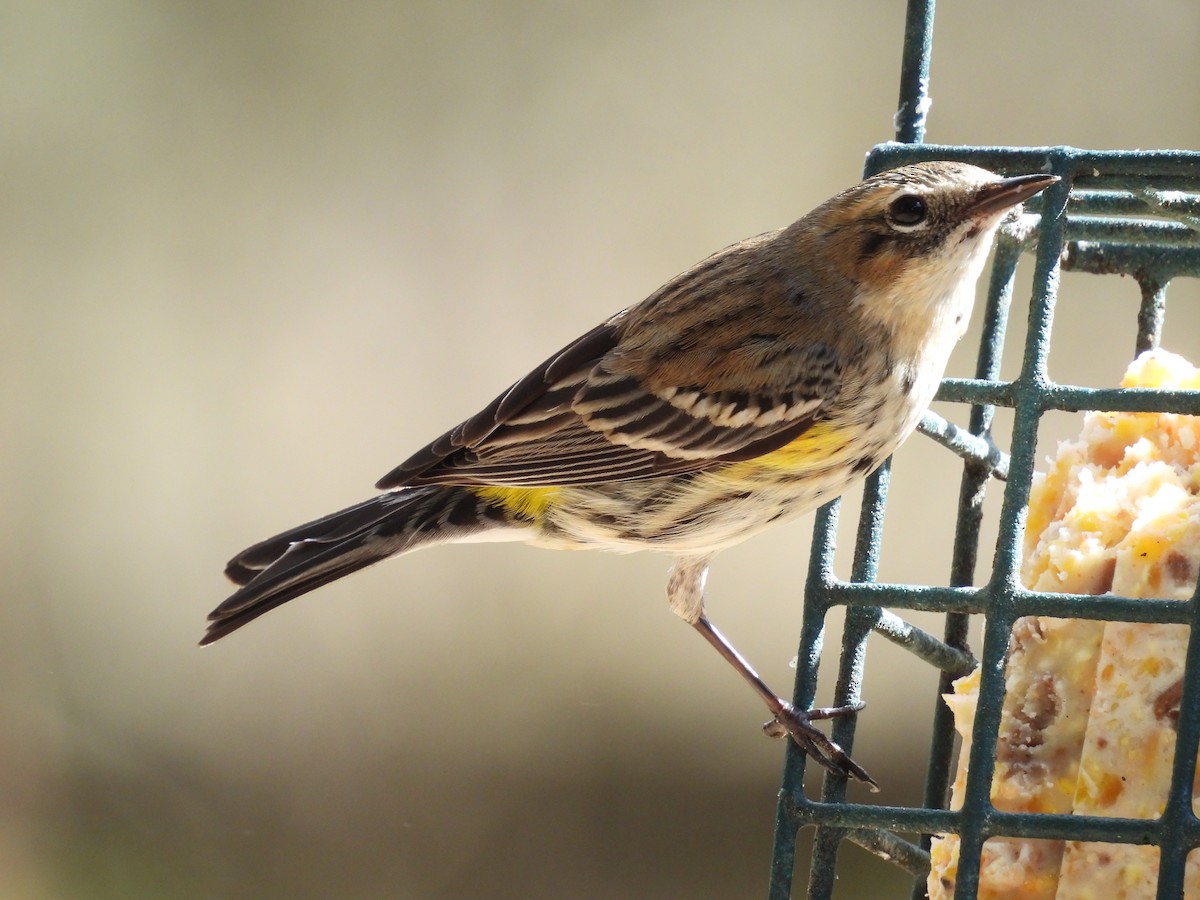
(1001, 195)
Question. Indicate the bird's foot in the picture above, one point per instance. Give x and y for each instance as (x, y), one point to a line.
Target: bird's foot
(814, 742)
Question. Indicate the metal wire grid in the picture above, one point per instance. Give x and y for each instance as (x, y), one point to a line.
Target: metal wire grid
(1135, 213)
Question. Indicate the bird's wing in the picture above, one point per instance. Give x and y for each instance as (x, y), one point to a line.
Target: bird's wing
(580, 419)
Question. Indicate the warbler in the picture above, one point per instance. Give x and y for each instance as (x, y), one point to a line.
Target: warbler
(755, 386)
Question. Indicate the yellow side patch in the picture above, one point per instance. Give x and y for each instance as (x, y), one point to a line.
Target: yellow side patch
(522, 502)
(815, 448)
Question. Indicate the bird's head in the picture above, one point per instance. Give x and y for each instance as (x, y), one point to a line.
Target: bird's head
(921, 224)
(906, 247)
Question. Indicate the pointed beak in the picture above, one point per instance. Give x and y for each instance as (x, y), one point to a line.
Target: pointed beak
(1001, 195)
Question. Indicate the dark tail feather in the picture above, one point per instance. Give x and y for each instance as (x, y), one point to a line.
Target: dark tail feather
(295, 562)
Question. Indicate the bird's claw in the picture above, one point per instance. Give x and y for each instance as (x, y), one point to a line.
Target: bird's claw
(814, 742)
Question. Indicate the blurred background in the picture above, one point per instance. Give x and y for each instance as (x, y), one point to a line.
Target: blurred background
(254, 254)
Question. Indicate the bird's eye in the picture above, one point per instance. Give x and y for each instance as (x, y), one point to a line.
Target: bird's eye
(907, 211)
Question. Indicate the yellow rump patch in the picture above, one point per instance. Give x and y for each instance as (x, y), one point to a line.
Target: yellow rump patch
(522, 502)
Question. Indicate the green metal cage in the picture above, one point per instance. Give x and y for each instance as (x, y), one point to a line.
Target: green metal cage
(1132, 213)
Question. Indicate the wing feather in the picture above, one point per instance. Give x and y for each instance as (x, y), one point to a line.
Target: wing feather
(588, 414)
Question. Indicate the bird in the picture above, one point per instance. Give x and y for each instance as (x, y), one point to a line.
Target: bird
(757, 385)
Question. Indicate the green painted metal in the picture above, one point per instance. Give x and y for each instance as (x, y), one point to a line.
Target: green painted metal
(1133, 213)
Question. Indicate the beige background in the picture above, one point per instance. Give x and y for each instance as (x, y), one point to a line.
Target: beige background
(256, 253)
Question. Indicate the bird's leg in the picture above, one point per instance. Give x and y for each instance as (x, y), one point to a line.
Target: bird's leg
(789, 720)
(685, 592)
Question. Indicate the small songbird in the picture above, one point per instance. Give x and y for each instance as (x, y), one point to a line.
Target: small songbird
(757, 385)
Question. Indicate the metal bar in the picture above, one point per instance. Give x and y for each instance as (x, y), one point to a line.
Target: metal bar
(913, 106)
(856, 630)
(1071, 398)
(939, 771)
(1069, 826)
(1178, 818)
(891, 818)
(977, 811)
(869, 539)
(971, 447)
(1120, 168)
(1146, 183)
(1182, 206)
(1107, 607)
(976, 391)
(954, 661)
(1112, 229)
(928, 598)
(893, 848)
(1080, 399)
(822, 873)
(1151, 312)
(1125, 259)
(1185, 206)
(975, 479)
(808, 659)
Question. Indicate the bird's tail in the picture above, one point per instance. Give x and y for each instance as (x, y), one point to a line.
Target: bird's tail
(295, 562)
